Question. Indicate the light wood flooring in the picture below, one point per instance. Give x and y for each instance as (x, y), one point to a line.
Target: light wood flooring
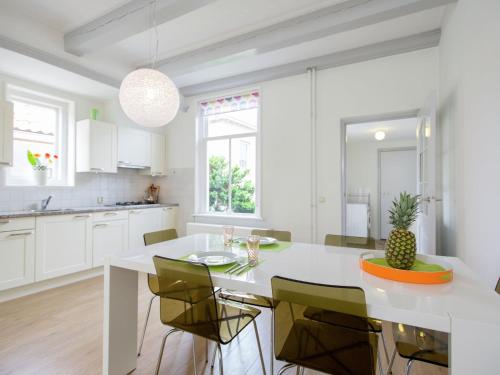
(60, 332)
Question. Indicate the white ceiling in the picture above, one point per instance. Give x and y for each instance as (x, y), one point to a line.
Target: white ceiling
(395, 130)
(215, 22)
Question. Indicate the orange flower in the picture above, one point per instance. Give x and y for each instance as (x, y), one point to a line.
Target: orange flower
(36, 155)
(47, 155)
(56, 157)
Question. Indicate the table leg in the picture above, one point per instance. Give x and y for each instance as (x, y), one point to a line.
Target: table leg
(474, 347)
(120, 321)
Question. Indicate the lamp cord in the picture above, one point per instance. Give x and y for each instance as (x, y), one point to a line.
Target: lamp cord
(154, 6)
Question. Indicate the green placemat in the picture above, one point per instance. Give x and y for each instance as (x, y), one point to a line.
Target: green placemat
(419, 266)
(278, 246)
(224, 268)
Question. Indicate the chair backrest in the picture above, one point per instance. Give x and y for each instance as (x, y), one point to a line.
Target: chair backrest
(497, 288)
(315, 343)
(280, 235)
(350, 241)
(160, 236)
(187, 296)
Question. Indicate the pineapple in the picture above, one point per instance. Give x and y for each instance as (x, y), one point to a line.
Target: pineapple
(401, 247)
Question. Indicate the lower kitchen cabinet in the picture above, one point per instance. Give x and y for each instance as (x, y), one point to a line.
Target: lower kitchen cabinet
(63, 245)
(109, 238)
(169, 217)
(17, 258)
(140, 222)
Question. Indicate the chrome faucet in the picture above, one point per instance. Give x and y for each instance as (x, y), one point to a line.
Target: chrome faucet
(45, 202)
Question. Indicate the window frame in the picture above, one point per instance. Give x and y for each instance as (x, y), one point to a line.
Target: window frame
(64, 136)
(201, 161)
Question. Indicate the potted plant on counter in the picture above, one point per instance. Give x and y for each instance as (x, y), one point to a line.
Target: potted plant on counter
(41, 167)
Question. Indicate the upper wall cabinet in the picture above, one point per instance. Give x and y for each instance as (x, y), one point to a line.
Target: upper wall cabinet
(96, 146)
(6, 129)
(134, 148)
(158, 156)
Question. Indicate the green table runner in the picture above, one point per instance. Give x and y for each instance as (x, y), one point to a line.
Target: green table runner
(419, 266)
(276, 247)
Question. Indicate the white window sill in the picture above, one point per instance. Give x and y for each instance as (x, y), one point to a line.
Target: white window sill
(229, 216)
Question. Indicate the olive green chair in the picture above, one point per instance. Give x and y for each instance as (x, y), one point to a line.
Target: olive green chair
(253, 299)
(350, 241)
(419, 344)
(374, 325)
(188, 303)
(151, 239)
(319, 345)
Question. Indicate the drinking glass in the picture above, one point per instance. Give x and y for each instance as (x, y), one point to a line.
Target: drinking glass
(228, 231)
(253, 243)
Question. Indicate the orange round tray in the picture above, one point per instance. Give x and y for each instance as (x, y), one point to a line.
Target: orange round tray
(407, 276)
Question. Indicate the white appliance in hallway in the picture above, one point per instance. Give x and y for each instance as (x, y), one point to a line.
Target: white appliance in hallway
(358, 215)
(398, 173)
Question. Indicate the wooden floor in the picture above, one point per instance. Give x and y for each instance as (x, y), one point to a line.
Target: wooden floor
(60, 332)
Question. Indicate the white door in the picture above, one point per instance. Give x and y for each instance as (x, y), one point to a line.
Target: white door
(109, 238)
(140, 222)
(134, 147)
(63, 245)
(397, 174)
(426, 177)
(103, 146)
(169, 218)
(17, 258)
(6, 129)
(158, 155)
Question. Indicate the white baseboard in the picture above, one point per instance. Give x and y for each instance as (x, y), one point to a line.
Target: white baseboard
(25, 290)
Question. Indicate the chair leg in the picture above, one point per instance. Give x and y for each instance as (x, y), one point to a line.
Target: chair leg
(260, 349)
(213, 358)
(206, 351)
(162, 348)
(221, 365)
(393, 357)
(385, 346)
(284, 368)
(145, 324)
(381, 372)
(271, 366)
(408, 367)
(194, 356)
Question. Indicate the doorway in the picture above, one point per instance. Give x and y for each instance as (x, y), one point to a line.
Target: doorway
(379, 160)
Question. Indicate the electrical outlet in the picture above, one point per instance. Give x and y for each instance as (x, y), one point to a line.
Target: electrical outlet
(100, 200)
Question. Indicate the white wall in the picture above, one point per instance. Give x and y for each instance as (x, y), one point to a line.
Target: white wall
(391, 84)
(362, 171)
(470, 120)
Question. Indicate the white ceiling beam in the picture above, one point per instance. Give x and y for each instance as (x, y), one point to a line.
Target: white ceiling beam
(131, 18)
(373, 51)
(41, 55)
(348, 15)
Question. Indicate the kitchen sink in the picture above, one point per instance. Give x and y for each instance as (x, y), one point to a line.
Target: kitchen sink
(54, 210)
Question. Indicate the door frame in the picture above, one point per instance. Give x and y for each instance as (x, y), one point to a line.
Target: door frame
(344, 122)
(379, 180)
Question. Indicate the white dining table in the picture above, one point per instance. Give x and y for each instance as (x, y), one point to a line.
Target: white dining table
(464, 308)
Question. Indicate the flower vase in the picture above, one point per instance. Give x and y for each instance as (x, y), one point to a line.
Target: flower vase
(41, 176)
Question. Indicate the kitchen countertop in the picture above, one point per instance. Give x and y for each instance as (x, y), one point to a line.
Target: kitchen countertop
(79, 210)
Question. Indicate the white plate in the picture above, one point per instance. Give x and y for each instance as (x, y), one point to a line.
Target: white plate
(263, 240)
(214, 258)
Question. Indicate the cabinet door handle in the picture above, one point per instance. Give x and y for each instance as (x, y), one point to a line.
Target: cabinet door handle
(97, 169)
(167, 209)
(101, 225)
(123, 162)
(20, 234)
(4, 163)
(110, 214)
(135, 211)
(4, 221)
(81, 217)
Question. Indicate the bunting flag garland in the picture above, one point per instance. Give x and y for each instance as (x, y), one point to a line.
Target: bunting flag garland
(230, 103)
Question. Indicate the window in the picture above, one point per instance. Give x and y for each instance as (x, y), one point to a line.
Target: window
(227, 157)
(40, 126)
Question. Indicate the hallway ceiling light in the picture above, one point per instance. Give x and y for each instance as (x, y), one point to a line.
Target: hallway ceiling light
(379, 135)
(147, 96)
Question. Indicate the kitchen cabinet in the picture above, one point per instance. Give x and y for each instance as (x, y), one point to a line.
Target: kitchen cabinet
(169, 217)
(140, 222)
(134, 148)
(96, 146)
(17, 258)
(108, 238)
(6, 132)
(158, 156)
(63, 245)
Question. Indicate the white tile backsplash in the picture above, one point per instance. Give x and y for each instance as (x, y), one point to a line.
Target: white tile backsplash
(126, 185)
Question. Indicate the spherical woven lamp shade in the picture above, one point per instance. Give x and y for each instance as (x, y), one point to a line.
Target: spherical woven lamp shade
(149, 98)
